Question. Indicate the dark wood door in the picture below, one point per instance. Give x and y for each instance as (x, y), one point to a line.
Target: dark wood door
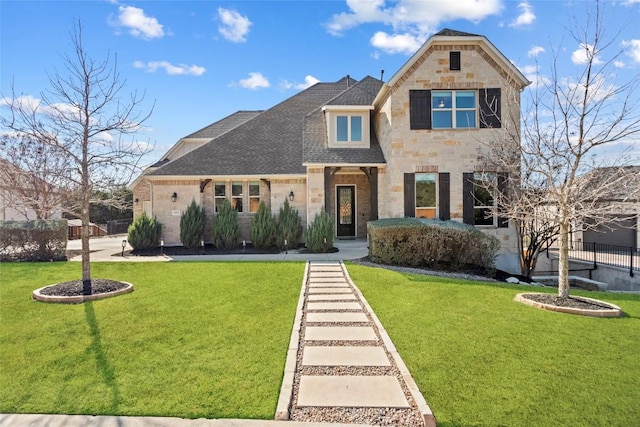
(346, 210)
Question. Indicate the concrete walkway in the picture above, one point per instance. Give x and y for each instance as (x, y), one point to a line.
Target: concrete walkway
(341, 362)
(109, 248)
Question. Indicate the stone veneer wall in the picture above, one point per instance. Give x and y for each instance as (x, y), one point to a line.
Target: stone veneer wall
(453, 151)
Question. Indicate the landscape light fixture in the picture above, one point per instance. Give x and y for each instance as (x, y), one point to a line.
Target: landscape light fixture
(291, 196)
(174, 196)
(124, 245)
(161, 246)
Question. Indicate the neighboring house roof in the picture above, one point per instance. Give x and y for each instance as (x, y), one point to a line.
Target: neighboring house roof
(268, 144)
(613, 184)
(315, 144)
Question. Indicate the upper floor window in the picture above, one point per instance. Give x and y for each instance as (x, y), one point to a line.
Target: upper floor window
(349, 128)
(426, 195)
(453, 109)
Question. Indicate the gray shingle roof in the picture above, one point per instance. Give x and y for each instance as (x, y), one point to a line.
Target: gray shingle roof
(315, 144)
(269, 143)
(454, 33)
(216, 129)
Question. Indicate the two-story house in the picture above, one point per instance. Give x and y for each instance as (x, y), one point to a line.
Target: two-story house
(362, 150)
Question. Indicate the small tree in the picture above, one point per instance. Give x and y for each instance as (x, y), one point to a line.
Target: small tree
(319, 235)
(263, 228)
(226, 231)
(289, 227)
(82, 120)
(144, 233)
(192, 225)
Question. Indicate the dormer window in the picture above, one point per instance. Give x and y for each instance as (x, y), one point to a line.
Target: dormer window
(347, 126)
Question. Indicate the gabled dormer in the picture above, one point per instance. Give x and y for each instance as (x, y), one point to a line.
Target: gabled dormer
(348, 116)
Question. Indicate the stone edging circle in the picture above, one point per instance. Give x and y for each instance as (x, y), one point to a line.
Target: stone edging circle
(614, 310)
(77, 299)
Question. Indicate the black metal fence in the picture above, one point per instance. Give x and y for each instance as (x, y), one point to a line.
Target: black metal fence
(598, 253)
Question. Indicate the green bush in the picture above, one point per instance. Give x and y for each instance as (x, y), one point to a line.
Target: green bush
(289, 228)
(226, 230)
(144, 233)
(38, 240)
(192, 223)
(435, 244)
(263, 228)
(319, 235)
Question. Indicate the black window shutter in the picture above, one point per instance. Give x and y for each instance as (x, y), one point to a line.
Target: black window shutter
(467, 199)
(454, 61)
(503, 222)
(420, 109)
(490, 108)
(444, 202)
(409, 195)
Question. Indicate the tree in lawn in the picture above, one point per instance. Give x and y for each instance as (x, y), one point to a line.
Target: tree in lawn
(192, 225)
(568, 170)
(83, 118)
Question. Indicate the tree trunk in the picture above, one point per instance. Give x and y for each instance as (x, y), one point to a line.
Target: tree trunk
(563, 264)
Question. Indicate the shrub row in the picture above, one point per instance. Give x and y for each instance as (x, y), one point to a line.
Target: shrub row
(435, 244)
(266, 231)
(39, 240)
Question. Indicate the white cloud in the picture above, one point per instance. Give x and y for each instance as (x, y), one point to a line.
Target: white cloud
(234, 27)
(308, 82)
(138, 23)
(633, 48)
(396, 43)
(254, 81)
(618, 64)
(410, 18)
(525, 18)
(172, 70)
(535, 51)
(584, 54)
(25, 102)
(630, 2)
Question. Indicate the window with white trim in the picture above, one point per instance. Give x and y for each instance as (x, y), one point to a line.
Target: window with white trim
(237, 196)
(349, 128)
(220, 191)
(426, 195)
(453, 109)
(254, 196)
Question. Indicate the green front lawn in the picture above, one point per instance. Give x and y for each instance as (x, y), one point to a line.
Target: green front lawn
(193, 340)
(482, 359)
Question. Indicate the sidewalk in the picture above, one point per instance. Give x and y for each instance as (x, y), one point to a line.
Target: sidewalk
(109, 248)
(44, 420)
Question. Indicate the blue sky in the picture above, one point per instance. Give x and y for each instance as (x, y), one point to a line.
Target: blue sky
(203, 60)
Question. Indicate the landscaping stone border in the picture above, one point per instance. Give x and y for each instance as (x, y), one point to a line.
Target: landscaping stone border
(614, 311)
(78, 299)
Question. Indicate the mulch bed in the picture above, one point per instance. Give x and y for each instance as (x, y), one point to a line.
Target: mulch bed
(570, 302)
(74, 288)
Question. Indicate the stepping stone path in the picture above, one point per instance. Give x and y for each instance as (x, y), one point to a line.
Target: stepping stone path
(346, 370)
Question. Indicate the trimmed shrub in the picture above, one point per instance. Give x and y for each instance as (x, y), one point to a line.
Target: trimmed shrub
(226, 230)
(263, 228)
(39, 240)
(144, 233)
(435, 244)
(319, 235)
(192, 223)
(289, 227)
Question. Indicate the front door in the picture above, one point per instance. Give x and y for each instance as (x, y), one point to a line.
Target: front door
(346, 210)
